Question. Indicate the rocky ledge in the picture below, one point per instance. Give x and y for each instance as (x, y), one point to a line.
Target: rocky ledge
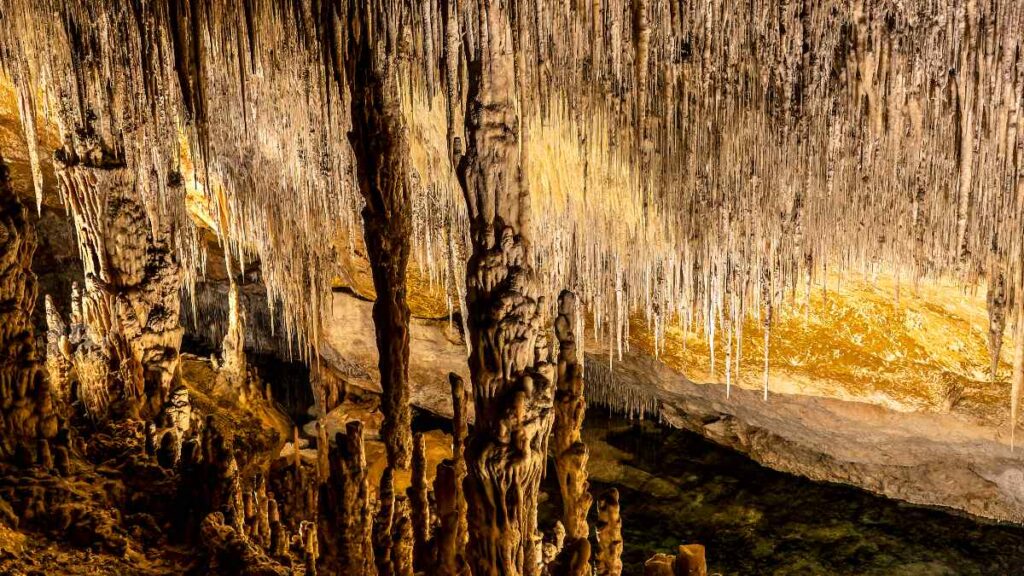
(930, 459)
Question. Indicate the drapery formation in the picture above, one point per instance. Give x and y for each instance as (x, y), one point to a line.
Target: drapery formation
(131, 303)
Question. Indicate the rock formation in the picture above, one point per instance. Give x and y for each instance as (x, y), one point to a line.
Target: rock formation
(345, 518)
(130, 305)
(449, 544)
(996, 298)
(383, 523)
(381, 149)
(419, 503)
(609, 535)
(570, 453)
(689, 561)
(691, 167)
(232, 351)
(27, 407)
(512, 376)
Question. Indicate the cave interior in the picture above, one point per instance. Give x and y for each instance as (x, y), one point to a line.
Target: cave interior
(497, 287)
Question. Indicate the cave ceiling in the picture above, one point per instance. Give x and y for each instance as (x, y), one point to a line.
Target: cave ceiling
(688, 163)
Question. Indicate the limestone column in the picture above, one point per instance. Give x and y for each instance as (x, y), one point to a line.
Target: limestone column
(232, 349)
(380, 143)
(510, 364)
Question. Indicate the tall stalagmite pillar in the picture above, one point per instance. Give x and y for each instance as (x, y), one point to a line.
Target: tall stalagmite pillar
(381, 147)
(450, 537)
(510, 363)
(609, 534)
(345, 524)
(131, 305)
(27, 413)
(569, 451)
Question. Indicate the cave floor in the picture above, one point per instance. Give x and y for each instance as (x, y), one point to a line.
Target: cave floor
(115, 512)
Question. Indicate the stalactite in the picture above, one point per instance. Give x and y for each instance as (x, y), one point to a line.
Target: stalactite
(632, 400)
(452, 87)
(681, 133)
(996, 301)
(131, 305)
(570, 453)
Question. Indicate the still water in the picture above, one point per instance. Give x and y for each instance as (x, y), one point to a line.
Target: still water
(675, 487)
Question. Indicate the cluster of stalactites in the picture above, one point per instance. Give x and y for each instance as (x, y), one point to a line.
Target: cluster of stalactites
(690, 161)
(217, 96)
(700, 163)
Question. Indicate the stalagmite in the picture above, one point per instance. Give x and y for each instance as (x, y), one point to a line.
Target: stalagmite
(402, 547)
(460, 430)
(573, 560)
(345, 520)
(569, 451)
(449, 544)
(278, 533)
(383, 524)
(310, 546)
(1017, 381)
(609, 534)
(510, 366)
(229, 550)
(446, 544)
(58, 352)
(419, 502)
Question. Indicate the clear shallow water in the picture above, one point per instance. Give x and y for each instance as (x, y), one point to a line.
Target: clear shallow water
(675, 487)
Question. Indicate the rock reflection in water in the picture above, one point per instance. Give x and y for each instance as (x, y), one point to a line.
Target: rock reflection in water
(677, 487)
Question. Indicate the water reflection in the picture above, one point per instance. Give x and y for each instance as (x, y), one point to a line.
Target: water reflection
(677, 487)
